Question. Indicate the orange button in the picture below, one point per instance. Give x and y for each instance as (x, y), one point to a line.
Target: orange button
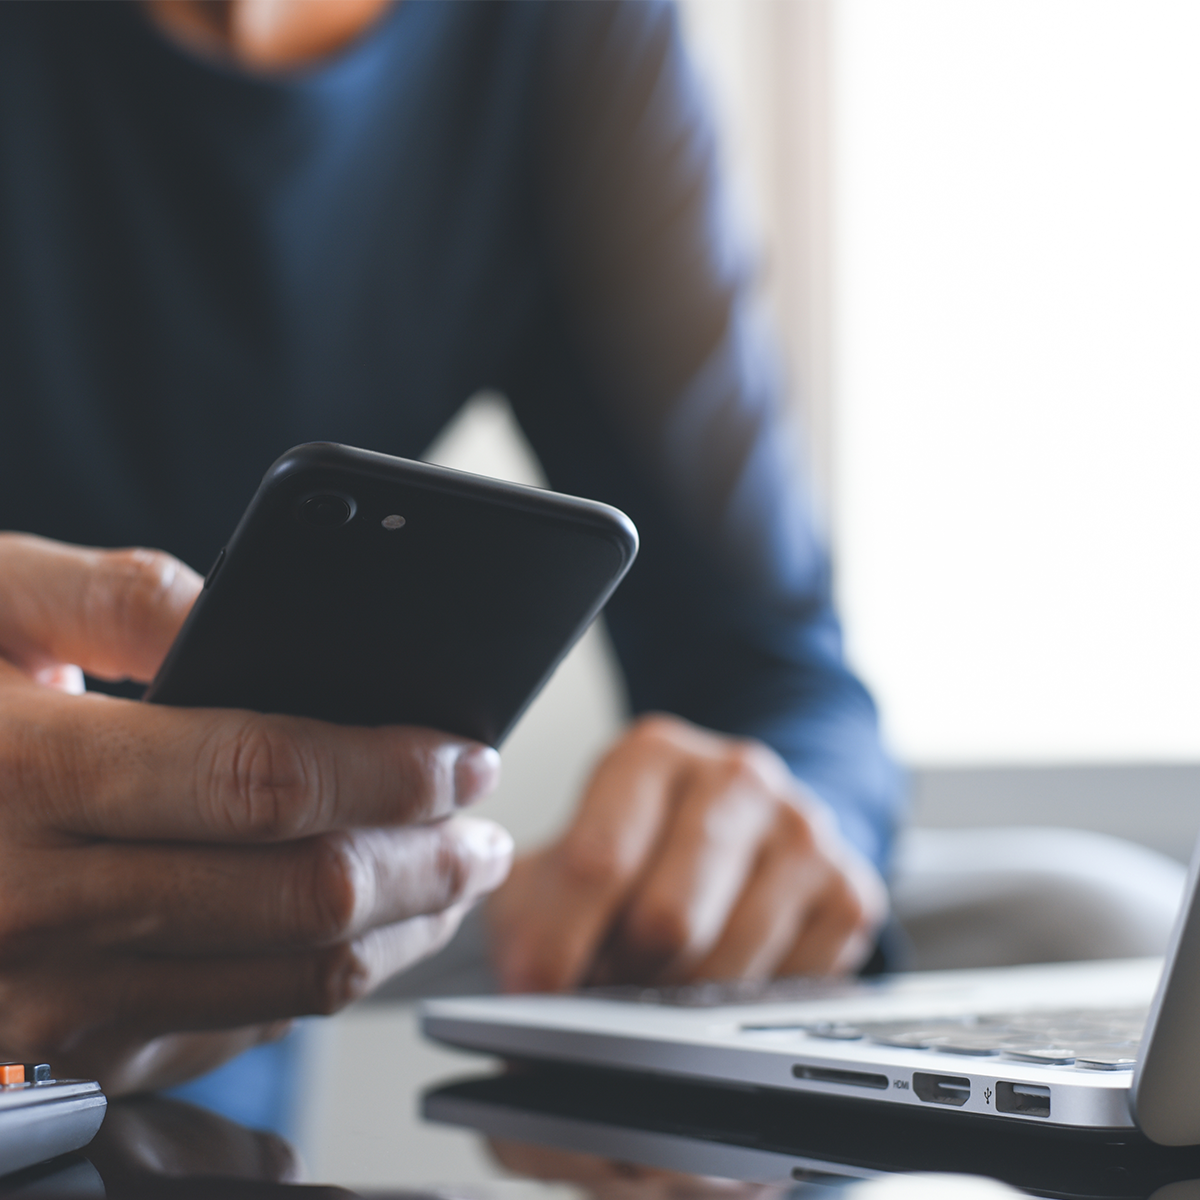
(12, 1072)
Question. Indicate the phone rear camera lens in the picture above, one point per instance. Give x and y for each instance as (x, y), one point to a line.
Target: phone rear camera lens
(326, 510)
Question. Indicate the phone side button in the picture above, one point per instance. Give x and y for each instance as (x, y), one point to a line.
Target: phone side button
(212, 571)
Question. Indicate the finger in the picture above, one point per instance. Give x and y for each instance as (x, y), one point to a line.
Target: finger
(113, 612)
(768, 917)
(152, 996)
(123, 1062)
(829, 938)
(675, 914)
(214, 900)
(215, 994)
(98, 767)
(583, 880)
(839, 933)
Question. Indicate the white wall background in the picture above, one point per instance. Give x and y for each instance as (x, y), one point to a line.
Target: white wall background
(1018, 372)
(1014, 374)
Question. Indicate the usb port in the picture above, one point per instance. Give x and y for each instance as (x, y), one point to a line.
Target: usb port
(941, 1089)
(1028, 1099)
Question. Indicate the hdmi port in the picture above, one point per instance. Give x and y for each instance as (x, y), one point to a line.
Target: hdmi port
(941, 1089)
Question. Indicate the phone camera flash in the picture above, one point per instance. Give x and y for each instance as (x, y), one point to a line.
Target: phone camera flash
(395, 521)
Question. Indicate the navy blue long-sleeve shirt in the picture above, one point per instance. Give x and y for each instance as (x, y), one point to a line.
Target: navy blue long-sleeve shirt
(200, 268)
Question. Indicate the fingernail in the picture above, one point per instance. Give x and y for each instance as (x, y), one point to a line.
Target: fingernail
(492, 846)
(476, 772)
(486, 839)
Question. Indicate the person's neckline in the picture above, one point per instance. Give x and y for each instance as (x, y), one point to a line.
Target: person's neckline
(313, 73)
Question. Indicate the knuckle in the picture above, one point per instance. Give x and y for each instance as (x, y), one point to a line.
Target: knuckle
(331, 890)
(340, 975)
(659, 933)
(268, 783)
(591, 864)
(750, 766)
(655, 731)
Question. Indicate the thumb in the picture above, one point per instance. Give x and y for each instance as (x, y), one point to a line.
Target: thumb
(112, 612)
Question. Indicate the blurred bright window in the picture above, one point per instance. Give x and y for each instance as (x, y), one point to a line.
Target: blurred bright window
(1011, 325)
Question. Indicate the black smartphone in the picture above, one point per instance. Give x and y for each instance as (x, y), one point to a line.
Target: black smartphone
(371, 590)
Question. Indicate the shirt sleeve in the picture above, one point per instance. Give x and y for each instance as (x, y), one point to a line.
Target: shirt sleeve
(646, 381)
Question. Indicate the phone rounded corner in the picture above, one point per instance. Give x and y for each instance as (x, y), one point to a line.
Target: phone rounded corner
(632, 540)
(304, 457)
(624, 534)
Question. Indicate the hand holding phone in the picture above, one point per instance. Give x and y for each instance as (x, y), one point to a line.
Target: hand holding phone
(176, 884)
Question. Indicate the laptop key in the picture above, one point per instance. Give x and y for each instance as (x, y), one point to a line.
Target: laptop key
(912, 1039)
(835, 1032)
(1046, 1055)
(982, 1046)
(1123, 1059)
(713, 994)
(912, 1036)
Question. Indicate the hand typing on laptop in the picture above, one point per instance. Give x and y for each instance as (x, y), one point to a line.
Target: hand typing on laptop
(692, 856)
(175, 884)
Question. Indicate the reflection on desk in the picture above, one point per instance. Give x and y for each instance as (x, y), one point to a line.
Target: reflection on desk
(171, 1150)
(174, 1151)
(593, 1135)
(155, 1147)
(575, 1126)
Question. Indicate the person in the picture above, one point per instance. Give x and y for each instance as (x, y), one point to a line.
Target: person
(226, 228)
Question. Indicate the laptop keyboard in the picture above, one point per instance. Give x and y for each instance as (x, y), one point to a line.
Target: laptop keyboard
(712, 994)
(1092, 1039)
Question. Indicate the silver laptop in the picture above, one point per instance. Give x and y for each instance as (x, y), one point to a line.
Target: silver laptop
(1105, 1045)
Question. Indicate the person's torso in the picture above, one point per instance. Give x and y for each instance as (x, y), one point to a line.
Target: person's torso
(199, 268)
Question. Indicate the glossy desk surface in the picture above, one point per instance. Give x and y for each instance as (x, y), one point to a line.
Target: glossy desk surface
(392, 1116)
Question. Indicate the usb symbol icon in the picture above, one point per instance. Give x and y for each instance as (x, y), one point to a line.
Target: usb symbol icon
(987, 1095)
